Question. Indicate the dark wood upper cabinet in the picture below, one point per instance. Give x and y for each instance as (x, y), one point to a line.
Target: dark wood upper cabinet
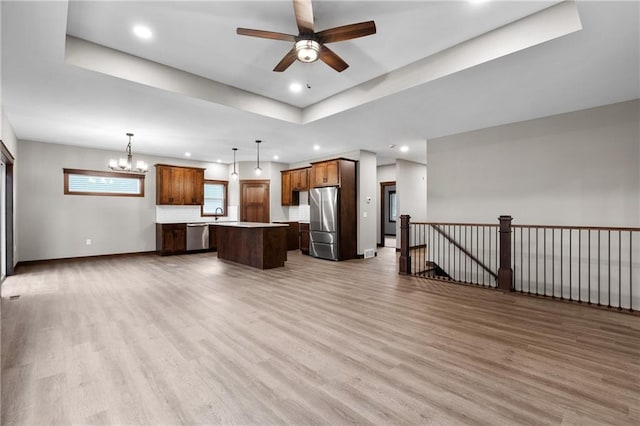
(287, 195)
(294, 181)
(177, 185)
(300, 179)
(327, 173)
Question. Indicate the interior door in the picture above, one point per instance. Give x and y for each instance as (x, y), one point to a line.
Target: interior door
(3, 222)
(254, 201)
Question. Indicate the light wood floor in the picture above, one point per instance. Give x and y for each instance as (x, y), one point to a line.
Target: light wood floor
(191, 339)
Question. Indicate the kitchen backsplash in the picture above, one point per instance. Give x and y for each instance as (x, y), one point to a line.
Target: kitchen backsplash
(299, 213)
(189, 214)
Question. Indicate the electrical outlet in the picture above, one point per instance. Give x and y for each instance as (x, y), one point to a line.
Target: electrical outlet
(88, 241)
(364, 214)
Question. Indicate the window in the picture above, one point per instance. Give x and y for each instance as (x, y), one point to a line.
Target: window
(90, 182)
(392, 206)
(215, 198)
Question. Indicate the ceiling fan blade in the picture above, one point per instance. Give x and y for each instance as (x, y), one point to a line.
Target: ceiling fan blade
(304, 15)
(330, 58)
(265, 34)
(286, 62)
(347, 32)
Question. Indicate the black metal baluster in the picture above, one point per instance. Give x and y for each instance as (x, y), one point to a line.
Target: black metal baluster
(449, 250)
(570, 266)
(544, 259)
(465, 259)
(579, 265)
(513, 257)
(619, 269)
(561, 265)
(599, 267)
(521, 264)
(537, 258)
(484, 273)
(529, 259)
(609, 268)
(553, 263)
(589, 266)
(477, 254)
(630, 274)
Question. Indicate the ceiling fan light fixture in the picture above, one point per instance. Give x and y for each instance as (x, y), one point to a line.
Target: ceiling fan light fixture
(307, 50)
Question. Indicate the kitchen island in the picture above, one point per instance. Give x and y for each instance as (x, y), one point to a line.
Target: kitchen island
(261, 245)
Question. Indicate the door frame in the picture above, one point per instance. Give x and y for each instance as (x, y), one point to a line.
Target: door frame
(383, 207)
(8, 160)
(250, 181)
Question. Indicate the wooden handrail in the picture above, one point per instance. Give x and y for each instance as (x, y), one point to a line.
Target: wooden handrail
(494, 225)
(463, 250)
(583, 228)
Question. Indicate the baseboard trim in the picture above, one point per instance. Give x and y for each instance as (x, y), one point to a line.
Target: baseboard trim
(79, 258)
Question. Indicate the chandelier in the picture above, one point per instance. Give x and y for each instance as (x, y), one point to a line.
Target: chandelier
(126, 164)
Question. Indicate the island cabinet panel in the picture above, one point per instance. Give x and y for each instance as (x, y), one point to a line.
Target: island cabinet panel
(325, 173)
(304, 237)
(171, 238)
(176, 185)
(259, 247)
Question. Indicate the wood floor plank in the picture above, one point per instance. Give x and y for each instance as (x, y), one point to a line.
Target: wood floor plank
(195, 340)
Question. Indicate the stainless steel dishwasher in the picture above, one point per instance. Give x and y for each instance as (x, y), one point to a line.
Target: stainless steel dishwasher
(197, 236)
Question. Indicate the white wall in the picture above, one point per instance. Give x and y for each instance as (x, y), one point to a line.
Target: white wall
(386, 173)
(580, 168)
(8, 136)
(367, 201)
(53, 225)
(411, 192)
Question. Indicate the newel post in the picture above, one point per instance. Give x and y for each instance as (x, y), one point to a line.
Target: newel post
(505, 273)
(405, 258)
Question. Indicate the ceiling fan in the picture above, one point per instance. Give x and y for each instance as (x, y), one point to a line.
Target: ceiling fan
(310, 45)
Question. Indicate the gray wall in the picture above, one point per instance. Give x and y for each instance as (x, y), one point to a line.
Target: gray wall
(580, 168)
(411, 192)
(53, 225)
(367, 201)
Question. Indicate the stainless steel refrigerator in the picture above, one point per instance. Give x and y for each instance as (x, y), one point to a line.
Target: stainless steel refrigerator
(324, 223)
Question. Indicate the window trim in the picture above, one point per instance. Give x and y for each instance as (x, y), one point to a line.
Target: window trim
(68, 172)
(225, 183)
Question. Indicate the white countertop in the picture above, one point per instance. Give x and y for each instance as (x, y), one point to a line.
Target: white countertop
(250, 224)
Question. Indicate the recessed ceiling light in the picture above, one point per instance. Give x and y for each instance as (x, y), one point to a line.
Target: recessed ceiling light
(187, 154)
(219, 160)
(142, 32)
(316, 147)
(295, 87)
(275, 157)
(477, 1)
(404, 148)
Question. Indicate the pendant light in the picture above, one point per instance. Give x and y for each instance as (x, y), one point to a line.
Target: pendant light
(126, 164)
(234, 175)
(258, 169)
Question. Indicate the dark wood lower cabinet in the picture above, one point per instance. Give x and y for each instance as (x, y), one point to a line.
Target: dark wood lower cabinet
(304, 238)
(213, 238)
(293, 234)
(171, 238)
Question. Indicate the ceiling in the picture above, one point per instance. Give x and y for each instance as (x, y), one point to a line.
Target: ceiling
(50, 99)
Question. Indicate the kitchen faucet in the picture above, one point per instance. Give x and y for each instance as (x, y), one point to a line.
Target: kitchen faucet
(216, 212)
